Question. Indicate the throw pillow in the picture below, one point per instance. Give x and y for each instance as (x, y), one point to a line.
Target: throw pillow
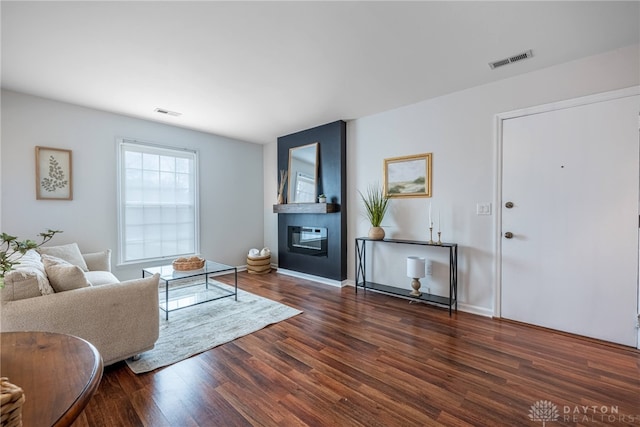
(98, 261)
(24, 283)
(28, 273)
(62, 275)
(70, 253)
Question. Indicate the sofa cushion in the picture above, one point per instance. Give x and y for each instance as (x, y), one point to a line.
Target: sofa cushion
(70, 253)
(27, 280)
(97, 278)
(63, 275)
(98, 261)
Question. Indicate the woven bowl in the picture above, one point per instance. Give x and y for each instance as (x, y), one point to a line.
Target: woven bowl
(11, 400)
(186, 264)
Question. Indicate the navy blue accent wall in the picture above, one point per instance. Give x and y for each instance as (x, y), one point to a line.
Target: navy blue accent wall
(332, 181)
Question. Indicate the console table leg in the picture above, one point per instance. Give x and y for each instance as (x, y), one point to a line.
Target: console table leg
(360, 259)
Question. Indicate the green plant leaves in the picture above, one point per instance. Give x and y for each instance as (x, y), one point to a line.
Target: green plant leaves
(375, 203)
(10, 245)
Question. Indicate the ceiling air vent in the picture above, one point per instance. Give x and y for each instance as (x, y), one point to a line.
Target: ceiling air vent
(511, 59)
(167, 112)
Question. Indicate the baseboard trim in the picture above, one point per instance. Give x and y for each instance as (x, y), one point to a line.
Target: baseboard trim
(323, 280)
(474, 309)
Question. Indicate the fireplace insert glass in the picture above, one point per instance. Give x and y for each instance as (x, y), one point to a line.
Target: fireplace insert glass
(308, 240)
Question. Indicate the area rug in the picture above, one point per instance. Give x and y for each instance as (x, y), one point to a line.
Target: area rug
(195, 329)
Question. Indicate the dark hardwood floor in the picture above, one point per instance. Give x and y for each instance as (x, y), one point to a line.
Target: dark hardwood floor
(367, 359)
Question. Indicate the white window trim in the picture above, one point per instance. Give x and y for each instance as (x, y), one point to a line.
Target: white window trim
(120, 141)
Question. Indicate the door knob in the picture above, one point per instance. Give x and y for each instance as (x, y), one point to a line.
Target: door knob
(508, 235)
(508, 205)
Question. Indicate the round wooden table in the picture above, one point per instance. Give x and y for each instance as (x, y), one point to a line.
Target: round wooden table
(58, 373)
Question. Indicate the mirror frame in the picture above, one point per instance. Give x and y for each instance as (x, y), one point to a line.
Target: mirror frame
(290, 182)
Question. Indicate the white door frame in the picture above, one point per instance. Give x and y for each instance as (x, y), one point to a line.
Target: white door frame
(499, 118)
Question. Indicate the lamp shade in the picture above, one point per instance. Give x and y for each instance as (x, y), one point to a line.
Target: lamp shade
(415, 267)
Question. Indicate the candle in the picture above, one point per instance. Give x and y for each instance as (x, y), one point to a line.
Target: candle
(430, 221)
(439, 223)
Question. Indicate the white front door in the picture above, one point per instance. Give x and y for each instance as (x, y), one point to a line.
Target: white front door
(573, 178)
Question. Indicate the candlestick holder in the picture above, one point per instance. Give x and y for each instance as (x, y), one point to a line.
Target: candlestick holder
(439, 242)
(431, 242)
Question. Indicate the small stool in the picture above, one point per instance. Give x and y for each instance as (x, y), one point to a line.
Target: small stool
(259, 264)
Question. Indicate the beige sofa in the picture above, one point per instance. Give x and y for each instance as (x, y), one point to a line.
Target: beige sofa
(120, 318)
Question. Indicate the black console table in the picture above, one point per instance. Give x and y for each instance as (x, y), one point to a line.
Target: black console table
(361, 262)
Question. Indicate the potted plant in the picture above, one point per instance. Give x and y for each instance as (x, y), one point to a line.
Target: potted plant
(11, 250)
(322, 198)
(376, 204)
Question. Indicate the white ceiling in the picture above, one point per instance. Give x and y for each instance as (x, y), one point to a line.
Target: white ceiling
(258, 70)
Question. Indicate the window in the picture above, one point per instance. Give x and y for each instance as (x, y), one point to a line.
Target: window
(158, 210)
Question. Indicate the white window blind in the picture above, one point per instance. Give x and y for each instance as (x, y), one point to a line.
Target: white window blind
(158, 213)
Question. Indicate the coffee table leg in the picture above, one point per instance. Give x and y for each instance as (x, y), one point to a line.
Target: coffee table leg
(166, 300)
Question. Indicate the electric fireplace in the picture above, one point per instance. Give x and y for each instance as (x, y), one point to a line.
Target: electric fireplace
(307, 240)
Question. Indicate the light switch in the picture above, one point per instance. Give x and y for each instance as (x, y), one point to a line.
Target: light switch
(483, 208)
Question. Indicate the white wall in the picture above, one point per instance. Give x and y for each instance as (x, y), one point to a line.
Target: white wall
(459, 130)
(271, 176)
(231, 188)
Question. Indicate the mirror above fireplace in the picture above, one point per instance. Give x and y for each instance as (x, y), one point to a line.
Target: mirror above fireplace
(303, 173)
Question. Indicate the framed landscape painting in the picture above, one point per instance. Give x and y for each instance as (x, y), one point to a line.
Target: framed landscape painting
(53, 174)
(408, 176)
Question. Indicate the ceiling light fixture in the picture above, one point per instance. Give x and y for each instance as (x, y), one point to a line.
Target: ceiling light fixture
(167, 112)
(511, 59)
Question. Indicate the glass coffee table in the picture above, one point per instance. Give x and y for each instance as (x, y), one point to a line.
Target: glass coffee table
(187, 289)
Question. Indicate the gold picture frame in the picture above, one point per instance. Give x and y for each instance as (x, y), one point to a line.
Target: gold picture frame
(53, 174)
(408, 176)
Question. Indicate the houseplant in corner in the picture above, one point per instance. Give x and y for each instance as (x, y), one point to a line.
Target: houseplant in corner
(375, 204)
(12, 249)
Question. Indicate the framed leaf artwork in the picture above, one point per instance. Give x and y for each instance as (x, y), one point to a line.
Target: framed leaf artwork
(53, 174)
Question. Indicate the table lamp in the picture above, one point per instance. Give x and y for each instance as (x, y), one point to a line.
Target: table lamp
(415, 270)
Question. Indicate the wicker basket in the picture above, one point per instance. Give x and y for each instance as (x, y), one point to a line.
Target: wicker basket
(186, 264)
(11, 400)
(259, 264)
